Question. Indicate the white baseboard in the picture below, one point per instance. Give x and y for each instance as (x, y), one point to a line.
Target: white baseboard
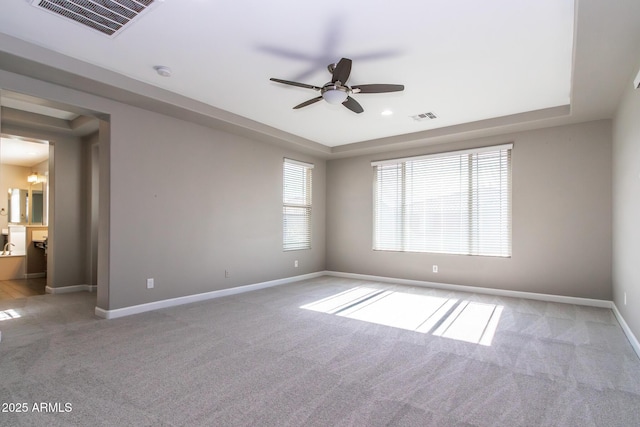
(68, 289)
(141, 308)
(627, 331)
(34, 275)
(156, 305)
(473, 289)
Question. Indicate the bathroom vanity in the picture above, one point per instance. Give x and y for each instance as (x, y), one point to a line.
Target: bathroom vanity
(20, 256)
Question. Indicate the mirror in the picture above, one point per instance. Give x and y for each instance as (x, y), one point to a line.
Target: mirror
(37, 207)
(25, 207)
(18, 206)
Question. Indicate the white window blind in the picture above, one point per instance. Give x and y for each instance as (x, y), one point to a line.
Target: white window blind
(296, 209)
(456, 203)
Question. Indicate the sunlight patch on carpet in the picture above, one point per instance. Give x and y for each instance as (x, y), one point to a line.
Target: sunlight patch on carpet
(467, 321)
(8, 314)
(472, 322)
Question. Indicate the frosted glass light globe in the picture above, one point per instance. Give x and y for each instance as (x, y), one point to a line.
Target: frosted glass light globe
(335, 96)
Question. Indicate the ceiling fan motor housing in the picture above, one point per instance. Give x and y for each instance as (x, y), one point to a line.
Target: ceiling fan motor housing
(335, 93)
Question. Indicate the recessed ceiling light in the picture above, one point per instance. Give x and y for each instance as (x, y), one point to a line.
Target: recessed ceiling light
(387, 112)
(162, 70)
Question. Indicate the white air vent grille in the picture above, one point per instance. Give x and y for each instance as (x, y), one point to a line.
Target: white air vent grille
(424, 116)
(106, 16)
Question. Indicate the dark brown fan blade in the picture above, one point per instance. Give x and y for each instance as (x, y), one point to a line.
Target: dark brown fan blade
(309, 102)
(377, 88)
(287, 82)
(342, 71)
(353, 105)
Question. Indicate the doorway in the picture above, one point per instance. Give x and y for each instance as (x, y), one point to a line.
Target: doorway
(69, 214)
(24, 186)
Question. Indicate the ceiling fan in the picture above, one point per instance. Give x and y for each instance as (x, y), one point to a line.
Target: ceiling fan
(337, 92)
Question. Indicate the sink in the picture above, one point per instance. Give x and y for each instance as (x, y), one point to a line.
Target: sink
(39, 235)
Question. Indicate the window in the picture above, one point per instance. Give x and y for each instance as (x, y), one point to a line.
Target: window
(296, 208)
(455, 203)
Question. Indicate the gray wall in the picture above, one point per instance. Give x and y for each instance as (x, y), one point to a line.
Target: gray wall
(626, 208)
(189, 202)
(92, 172)
(561, 218)
(67, 215)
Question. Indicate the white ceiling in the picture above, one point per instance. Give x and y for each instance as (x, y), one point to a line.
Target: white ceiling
(466, 61)
(19, 152)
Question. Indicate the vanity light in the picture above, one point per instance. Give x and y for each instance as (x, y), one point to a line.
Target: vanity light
(35, 178)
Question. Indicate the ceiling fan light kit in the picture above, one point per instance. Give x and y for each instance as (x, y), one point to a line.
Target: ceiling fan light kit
(334, 94)
(337, 92)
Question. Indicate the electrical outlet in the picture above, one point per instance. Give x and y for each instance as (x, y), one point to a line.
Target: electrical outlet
(227, 274)
(625, 298)
(295, 263)
(435, 268)
(150, 283)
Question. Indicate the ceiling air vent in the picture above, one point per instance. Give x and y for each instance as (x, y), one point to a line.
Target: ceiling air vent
(424, 116)
(105, 16)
